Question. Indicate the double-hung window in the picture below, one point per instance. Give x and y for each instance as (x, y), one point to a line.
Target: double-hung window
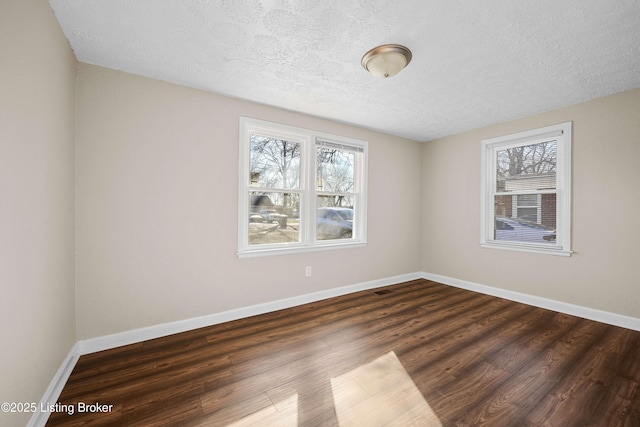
(299, 190)
(526, 191)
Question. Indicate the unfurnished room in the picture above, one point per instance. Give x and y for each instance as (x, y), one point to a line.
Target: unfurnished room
(302, 213)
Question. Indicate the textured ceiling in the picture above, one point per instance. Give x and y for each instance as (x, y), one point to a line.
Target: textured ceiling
(474, 63)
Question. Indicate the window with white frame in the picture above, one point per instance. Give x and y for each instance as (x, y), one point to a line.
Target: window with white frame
(299, 190)
(526, 191)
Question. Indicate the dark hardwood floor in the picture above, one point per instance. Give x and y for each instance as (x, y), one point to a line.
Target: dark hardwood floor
(415, 354)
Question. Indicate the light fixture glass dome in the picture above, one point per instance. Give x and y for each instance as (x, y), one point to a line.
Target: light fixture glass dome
(386, 60)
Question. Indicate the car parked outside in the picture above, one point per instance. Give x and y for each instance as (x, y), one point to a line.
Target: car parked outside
(334, 223)
(512, 229)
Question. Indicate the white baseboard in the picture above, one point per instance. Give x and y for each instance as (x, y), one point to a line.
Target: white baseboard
(106, 342)
(549, 304)
(52, 393)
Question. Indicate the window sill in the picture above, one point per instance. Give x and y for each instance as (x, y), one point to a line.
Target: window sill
(525, 248)
(253, 253)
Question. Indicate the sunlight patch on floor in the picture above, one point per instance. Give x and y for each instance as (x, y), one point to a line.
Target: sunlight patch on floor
(281, 414)
(380, 393)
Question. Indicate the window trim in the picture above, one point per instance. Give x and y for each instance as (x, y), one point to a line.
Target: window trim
(308, 192)
(489, 147)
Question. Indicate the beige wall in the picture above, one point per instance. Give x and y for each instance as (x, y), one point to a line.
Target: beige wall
(37, 312)
(157, 168)
(604, 271)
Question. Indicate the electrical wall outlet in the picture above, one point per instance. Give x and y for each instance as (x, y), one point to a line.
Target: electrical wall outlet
(307, 271)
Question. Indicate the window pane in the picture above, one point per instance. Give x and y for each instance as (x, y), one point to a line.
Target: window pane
(529, 167)
(335, 170)
(519, 224)
(274, 218)
(334, 223)
(275, 163)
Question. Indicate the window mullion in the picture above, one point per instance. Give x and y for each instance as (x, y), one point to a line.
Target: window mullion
(309, 188)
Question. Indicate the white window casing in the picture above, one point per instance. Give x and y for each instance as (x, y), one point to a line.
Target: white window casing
(297, 196)
(526, 191)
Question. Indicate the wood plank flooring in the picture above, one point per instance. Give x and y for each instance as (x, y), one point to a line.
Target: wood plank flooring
(415, 354)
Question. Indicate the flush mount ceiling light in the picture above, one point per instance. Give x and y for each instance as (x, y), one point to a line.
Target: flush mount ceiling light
(386, 60)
